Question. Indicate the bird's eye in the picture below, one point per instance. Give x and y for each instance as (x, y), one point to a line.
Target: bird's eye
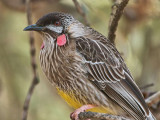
(57, 23)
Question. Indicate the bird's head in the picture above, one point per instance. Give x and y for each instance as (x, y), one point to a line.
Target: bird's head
(53, 26)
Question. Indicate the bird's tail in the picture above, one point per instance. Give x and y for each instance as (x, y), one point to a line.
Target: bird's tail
(151, 117)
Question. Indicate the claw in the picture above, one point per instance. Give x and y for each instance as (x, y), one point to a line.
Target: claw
(74, 115)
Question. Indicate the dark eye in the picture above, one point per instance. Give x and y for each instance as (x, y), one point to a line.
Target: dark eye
(57, 23)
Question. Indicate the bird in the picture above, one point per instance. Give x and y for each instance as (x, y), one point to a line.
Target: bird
(87, 69)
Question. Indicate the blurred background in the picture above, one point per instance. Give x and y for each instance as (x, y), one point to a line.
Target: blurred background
(138, 39)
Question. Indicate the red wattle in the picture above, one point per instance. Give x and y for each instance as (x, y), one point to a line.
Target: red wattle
(42, 46)
(61, 40)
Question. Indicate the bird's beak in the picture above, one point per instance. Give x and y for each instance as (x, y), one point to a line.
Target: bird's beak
(34, 27)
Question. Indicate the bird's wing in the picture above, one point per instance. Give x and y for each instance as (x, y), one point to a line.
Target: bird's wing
(110, 74)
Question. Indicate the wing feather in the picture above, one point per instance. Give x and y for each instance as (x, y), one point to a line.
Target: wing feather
(109, 72)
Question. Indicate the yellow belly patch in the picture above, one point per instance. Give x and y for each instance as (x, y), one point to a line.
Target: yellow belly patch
(73, 102)
(70, 99)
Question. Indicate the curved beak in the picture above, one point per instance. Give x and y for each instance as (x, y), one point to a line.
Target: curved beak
(33, 27)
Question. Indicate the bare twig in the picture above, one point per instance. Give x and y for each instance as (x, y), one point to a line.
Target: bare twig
(99, 116)
(81, 12)
(155, 98)
(33, 63)
(147, 86)
(117, 10)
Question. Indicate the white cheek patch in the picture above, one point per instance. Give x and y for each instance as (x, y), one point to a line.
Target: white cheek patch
(57, 29)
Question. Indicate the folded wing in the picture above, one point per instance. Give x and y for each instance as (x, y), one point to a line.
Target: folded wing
(110, 74)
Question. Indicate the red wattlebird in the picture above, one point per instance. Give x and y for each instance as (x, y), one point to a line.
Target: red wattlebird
(86, 68)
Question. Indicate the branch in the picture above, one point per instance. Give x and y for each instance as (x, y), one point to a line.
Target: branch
(155, 98)
(146, 86)
(99, 116)
(117, 10)
(80, 11)
(33, 63)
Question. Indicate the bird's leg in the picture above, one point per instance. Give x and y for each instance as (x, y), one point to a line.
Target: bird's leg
(74, 115)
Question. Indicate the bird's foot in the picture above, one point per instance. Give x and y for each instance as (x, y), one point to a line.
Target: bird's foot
(74, 115)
